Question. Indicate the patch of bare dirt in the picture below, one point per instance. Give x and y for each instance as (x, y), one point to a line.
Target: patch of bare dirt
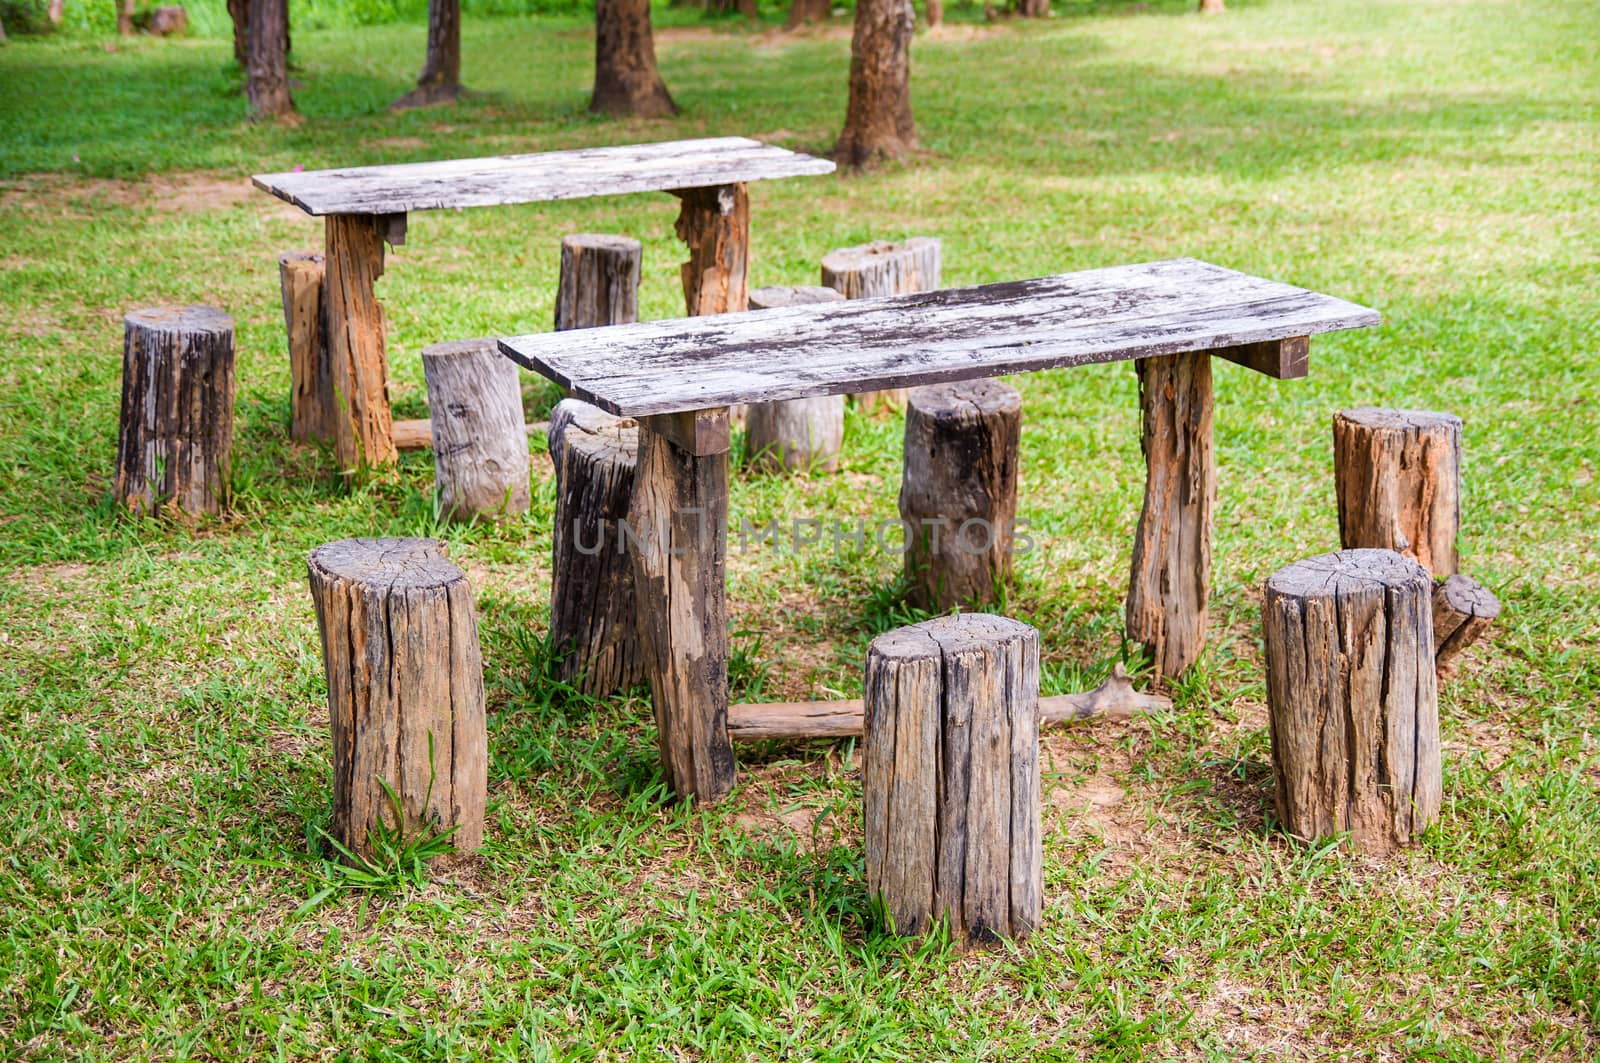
(180, 193)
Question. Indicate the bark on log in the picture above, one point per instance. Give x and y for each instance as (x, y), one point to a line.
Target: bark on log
(878, 125)
(405, 691)
(626, 79)
(1463, 609)
(592, 604)
(958, 492)
(798, 434)
(1114, 699)
(480, 443)
(881, 268)
(1397, 474)
(950, 776)
(599, 282)
(1353, 698)
(176, 440)
(267, 68)
(1171, 578)
(312, 414)
(715, 223)
(440, 80)
(680, 514)
(363, 427)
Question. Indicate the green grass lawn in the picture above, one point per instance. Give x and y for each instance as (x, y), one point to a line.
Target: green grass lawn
(163, 734)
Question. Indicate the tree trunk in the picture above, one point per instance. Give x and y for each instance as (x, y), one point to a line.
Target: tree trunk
(592, 603)
(125, 10)
(881, 268)
(1397, 474)
(440, 80)
(480, 445)
(363, 428)
(1033, 8)
(1463, 609)
(311, 407)
(878, 124)
(599, 281)
(798, 434)
(958, 492)
(1171, 579)
(626, 81)
(176, 440)
(950, 777)
(1352, 698)
(267, 83)
(405, 692)
(1212, 7)
(935, 10)
(55, 12)
(802, 12)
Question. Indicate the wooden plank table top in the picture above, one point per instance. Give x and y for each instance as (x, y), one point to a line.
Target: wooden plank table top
(550, 175)
(1100, 315)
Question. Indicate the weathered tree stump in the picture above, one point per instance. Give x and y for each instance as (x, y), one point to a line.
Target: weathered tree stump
(1398, 477)
(1352, 697)
(599, 281)
(312, 413)
(1463, 609)
(363, 432)
(715, 223)
(950, 776)
(958, 492)
(176, 440)
(405, 691)
(592, 605)
(795, 434)
(480, 445)
(1171, 577)
(877, 269)
(680, 514)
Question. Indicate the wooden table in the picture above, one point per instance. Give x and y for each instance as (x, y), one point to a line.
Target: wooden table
(679, 378)
(367, 206)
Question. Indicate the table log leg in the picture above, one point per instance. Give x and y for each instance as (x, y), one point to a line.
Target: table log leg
(678, 541)
(715, 223)
(1172, 548)
(364, 432)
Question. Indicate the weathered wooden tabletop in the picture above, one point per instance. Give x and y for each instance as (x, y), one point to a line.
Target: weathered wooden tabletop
(1100, 315)
(551, 175)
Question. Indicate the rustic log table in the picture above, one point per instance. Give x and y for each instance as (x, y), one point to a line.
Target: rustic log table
(679, 378)
(367, 206)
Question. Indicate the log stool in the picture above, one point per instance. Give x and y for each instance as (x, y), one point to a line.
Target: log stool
(1352, 698)
(880, 268)
(405, 691)
(798, 433)
(480, 446)
(1463, 609)
(592, 603)
(599, 282)
(958, 491)
(1398, 477)
(175, 442)
(950, 776)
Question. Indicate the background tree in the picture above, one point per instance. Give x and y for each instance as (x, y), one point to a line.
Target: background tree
(440, 80)
(125, 18)
(1032, 8)
(803, 11)
(267, 72)
(877, 122)
(626, 80)
(239, 15)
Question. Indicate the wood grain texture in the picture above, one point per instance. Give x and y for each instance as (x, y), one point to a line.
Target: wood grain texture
(358, 365)
(801, 434)
(312, 413)
(592, 603)
(958, 492)
(1114, 699)
(715, 224)
(175, 438)
(1288, 359)
(480, 443)
(1170, 582)
(1105, 315)
(599, 282)
(1352, 698)
(540, 177)
(1397, 474)
(950, 776)
(680, 515)
(405, 690)
(871, 271)
(1463, 609)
